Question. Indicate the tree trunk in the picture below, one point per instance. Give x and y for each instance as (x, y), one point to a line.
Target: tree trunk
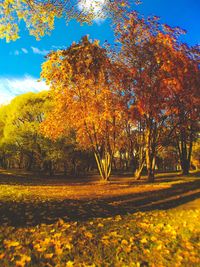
(114, 165)
(151, 150)
(185, 163)
(30, 162)
(185, 166)
(138, 171)
(21, 159)
(104, 165)
(184, 147)
(150, 160)
(151, 175)
(65, 168)
(50, 168)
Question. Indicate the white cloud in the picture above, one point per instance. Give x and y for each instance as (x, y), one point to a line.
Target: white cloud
(96, 7)
(57, 47)
(19, 52)
(16, 53)
(24, 50)
(35, 50)
(38, 51)
(11, 87)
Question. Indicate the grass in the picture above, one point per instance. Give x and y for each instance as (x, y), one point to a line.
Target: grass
(85, 223)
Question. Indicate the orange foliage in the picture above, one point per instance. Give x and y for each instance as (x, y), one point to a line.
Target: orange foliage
(84, 87)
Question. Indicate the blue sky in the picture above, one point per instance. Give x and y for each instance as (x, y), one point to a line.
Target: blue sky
(20, 63)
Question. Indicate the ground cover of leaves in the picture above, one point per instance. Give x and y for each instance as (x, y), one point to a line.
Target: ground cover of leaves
(100, 225)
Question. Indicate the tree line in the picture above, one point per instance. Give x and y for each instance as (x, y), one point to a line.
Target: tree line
(131, 107)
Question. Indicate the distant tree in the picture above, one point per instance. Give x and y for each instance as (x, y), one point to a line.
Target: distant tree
(167, 159)
(21, 121)
(3, 152)
(195, 159)
(82, 81)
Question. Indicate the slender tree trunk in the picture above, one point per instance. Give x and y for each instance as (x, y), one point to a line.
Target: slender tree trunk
(141, 161)
(151, 149)
(138, 171)
(121, 162)
(104, 165)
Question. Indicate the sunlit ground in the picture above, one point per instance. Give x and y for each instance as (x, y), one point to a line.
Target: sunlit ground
(55, 222)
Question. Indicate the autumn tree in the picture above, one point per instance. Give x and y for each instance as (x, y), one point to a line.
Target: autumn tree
(195, 160)
(39, 16)
(185, 104)
(21, 121)
(3, 152)
(23, 146)
(148, 50)
(82, 81)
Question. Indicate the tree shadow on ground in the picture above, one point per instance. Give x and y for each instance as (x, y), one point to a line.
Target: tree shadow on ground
(31, 213)
(18, 177)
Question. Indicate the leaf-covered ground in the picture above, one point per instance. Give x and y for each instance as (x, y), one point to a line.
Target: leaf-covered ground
(123, 223)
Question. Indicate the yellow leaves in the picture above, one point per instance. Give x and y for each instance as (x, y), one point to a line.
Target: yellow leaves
(123, 239)
(105, 237)
(179, 258)
(57, 235)
(39, 16)
(144, 240)
(170, 230)
(189, 246)
(118, 218)
(9, 31)
(46, 241)
(124, 242)
(58, 249)
(105, 240)
(88, 234)
(153, 238)
(10, 243)
(23, 260)
(159, 247)
(144, 225)
(70, 264)
(68, 246)
(39, 23)
(113, 234)
(39, 248)
(48, 255)
(159, 226)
